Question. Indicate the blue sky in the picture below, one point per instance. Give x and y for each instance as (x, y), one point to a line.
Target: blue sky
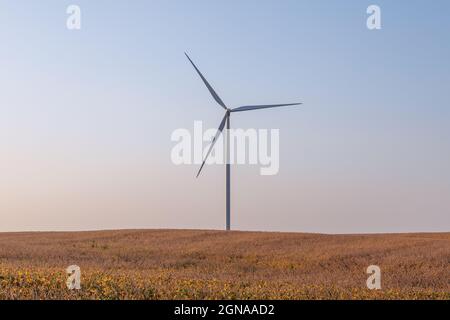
(86, 116)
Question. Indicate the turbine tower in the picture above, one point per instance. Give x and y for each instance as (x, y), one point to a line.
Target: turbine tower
(226, 122)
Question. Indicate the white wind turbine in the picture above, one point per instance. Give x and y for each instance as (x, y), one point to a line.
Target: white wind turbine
(226, 121)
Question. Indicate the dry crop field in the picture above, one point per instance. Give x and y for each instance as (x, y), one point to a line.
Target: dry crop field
(181, 264)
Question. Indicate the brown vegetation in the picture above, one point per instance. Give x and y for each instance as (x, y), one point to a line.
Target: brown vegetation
(167, 264)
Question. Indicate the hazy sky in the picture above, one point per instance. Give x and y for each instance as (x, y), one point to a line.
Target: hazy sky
(86, 116)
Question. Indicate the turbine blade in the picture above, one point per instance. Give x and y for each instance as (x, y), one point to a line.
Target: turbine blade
(248, 108)
(211, 90)
(213, 142)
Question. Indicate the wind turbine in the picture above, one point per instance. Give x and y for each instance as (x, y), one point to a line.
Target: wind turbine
(226, 121)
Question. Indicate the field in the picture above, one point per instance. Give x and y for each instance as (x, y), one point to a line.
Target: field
(181, 264)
